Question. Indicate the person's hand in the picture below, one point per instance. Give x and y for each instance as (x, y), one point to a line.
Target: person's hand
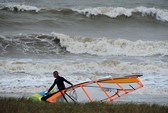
(47, 93)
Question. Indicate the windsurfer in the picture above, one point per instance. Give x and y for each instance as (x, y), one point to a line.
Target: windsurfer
(60, 83)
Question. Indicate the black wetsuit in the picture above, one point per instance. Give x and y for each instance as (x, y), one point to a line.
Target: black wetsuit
(60, 83)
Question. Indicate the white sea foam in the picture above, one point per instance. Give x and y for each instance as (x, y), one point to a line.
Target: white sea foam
(113, 12)
(30, 74)
(104, 66)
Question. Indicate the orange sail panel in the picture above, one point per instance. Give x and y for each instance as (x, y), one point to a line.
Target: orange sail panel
(98, 90)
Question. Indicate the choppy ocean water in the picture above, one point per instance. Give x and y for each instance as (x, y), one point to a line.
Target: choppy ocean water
(83, 40)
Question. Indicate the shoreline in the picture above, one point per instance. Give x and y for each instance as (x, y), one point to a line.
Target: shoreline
(144, 99)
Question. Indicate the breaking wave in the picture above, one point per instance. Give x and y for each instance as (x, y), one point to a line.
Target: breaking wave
(36, 44)
(18, 7)
(55, 43)
(104, 46)
(111, 12)
(114, 12)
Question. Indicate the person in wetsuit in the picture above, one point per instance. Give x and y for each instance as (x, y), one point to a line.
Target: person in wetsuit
(60, 84)
(59, 81)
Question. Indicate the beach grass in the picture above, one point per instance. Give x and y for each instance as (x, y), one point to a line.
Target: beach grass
(22, 105)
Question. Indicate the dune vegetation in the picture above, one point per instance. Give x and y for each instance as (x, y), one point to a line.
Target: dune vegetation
(22, 105)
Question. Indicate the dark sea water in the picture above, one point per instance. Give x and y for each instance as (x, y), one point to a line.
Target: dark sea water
(83, 40)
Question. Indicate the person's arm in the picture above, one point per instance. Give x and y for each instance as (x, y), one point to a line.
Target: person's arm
(51, 87)
(67, 81)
